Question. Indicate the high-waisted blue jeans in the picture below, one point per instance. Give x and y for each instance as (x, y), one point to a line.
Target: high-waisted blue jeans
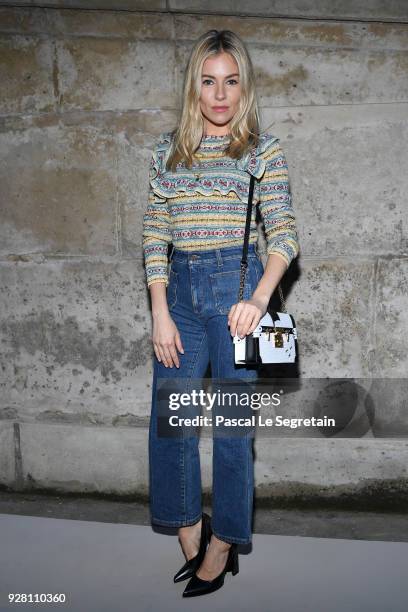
(203, 285)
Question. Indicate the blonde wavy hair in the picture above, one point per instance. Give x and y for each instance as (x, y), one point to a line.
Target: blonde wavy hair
(244, 127)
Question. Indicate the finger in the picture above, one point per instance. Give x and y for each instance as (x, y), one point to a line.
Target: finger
(255, 323)
(174, 356)
(168, 356)
(163, 356)
(235, 317)
(242, 319)
(245, 321)
(157, 352)
(178, 343)
(231, 313)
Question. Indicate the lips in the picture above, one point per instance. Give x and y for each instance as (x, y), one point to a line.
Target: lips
(220, 109)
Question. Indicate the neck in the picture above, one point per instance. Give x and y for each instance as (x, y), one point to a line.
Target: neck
(210, 129)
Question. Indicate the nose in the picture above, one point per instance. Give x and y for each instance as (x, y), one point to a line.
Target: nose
(220, 94)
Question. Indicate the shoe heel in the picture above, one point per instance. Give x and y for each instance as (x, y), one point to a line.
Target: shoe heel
(234, 564)
(208, 528)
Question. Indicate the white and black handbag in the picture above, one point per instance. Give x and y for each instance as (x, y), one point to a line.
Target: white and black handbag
(275, 338)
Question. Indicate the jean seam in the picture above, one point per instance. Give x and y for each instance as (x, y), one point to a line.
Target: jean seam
(251, 254)
(247, 293)
(175, 287)
(249, 488)
(181, 523)
(230, 540)
(183, 448)
(258, 273)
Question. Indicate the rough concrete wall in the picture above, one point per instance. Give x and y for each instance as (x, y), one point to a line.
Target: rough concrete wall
(363, 10)
(84, 96)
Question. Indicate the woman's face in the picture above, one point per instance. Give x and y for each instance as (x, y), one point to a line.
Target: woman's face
(220, 87)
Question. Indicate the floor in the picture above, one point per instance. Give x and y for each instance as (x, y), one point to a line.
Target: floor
(122, 566)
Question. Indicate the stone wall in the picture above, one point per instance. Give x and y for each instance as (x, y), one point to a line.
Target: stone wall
(84, 95)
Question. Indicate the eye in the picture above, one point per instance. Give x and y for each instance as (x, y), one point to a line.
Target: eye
(234, 81)
(207, 81)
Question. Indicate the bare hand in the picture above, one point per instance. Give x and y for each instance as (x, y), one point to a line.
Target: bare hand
(166, 339)
(243, 317)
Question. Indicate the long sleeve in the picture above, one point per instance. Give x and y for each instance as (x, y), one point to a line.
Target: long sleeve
(156, 234)
(275, 205)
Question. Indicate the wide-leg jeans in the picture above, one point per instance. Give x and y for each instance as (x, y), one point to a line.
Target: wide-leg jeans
(203, 285)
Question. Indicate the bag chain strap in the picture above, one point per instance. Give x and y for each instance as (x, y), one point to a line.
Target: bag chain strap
(244, 261)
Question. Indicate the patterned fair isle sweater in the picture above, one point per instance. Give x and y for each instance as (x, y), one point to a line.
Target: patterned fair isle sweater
(205, 207)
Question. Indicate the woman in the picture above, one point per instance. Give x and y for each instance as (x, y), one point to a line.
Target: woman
(199, 182)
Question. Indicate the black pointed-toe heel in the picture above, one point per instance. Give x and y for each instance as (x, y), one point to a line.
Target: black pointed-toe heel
(193, 564)
(197, 586)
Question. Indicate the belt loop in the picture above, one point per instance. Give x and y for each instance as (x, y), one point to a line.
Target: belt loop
(219, 257)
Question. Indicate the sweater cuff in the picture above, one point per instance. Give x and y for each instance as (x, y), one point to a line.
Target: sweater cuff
(157, 279)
